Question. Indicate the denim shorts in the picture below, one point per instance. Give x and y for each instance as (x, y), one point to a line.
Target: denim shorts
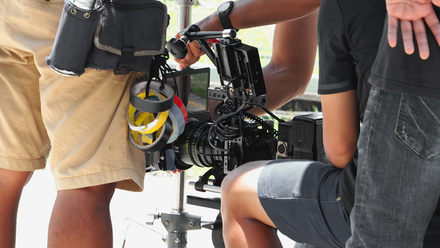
(301, 198)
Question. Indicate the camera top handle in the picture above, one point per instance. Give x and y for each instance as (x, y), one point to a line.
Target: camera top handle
(237, 64)
(177, 47)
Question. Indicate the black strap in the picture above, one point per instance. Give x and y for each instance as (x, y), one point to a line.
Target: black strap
(127, 61)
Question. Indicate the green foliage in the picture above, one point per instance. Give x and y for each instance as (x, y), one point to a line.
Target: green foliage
(196, 171)
(198, 85)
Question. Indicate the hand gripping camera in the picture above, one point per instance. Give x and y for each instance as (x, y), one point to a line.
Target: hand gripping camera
(236, 136)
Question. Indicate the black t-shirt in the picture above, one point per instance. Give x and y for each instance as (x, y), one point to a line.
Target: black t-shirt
(394, 70)
(349, 33)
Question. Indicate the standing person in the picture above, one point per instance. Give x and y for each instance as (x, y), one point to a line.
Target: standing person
(79, 120)
(399, 164)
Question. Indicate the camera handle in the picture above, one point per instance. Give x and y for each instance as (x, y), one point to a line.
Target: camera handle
(178, 49)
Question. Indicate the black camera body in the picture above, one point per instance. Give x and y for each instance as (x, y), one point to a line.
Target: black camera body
(227, 145)
(236, 136)
(301, 138)
(230, 136)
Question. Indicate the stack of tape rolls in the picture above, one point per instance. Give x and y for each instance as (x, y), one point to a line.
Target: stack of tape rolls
(154, 119)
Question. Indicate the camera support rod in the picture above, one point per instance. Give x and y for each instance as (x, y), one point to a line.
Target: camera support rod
(178, 222)
(177, 237)
(184, 19)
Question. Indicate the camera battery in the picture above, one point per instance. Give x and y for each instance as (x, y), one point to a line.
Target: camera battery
(301, 138)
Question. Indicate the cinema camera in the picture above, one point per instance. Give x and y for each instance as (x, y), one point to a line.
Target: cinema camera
(236, 136)
(230, 140)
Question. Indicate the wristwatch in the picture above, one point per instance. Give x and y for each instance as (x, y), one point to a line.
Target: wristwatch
(223, 11)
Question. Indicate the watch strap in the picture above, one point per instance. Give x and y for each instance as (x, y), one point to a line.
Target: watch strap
(224, 16)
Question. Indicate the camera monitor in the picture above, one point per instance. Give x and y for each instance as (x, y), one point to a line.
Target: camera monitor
(192, 87)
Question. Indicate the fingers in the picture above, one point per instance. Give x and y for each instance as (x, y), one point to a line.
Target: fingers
(433, 23)
(392, 31)
(407, 36)
(436, 2)
(194, 54)
(422, 40)
(417, 28)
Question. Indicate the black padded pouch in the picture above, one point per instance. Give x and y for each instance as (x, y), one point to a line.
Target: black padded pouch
(73, 40)
(128, 35)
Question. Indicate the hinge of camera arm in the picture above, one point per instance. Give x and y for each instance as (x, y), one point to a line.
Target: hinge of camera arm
(208, 51)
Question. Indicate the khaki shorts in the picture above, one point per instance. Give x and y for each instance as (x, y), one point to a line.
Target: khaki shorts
(79, 120)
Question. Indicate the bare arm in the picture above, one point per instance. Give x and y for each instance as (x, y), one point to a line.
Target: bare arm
(252, 13)
(293, 58)
(340, 126)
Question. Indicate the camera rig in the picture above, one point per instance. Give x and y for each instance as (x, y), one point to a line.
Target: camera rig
(234, 136)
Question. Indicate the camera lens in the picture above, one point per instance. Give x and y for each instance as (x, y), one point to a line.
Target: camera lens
(193, 146)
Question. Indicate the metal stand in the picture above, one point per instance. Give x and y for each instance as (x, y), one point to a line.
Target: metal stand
(178, 222)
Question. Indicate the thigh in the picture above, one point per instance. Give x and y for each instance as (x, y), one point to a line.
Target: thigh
(239, 192)
(24, 143)
(85, 120)
(302, 199)
(82, 118)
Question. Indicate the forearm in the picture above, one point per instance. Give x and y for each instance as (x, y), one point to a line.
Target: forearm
(282, 86)
(340, 126)
(293, 60)
(254, 13)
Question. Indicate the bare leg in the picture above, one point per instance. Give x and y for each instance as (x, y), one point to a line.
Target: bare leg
(11, 186)
(81, 218)
(245, 223)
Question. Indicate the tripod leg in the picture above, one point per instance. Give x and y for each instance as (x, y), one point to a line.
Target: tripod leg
(217, 233)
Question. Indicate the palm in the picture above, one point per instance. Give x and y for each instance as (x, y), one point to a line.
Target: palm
(409, 10)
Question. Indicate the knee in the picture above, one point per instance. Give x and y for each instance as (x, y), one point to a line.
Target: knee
(229, 191)
(240, 184)
(243, 176)
(231, 183)
(96, 195)
(14, 181)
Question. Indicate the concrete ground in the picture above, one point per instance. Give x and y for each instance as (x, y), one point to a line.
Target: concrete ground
(129, 213)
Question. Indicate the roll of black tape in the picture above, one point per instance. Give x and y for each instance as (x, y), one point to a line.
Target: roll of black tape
(147, 105)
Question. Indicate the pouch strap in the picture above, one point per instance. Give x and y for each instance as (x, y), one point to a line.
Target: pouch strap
(127, 61)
